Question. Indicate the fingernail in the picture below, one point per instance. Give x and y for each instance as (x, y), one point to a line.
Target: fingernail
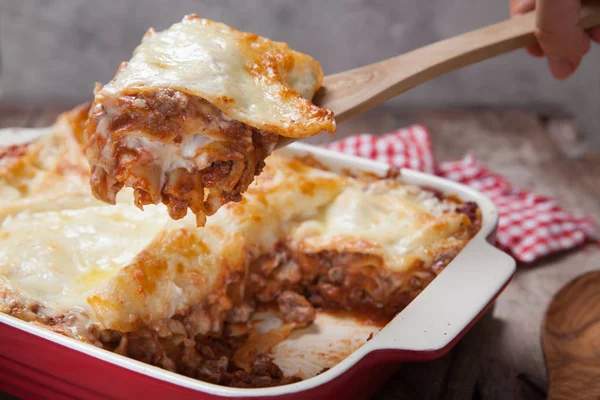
(560, 67)
(525, 5)
(521, 6)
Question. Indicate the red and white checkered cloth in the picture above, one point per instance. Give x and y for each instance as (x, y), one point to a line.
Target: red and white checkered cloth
(530, 226)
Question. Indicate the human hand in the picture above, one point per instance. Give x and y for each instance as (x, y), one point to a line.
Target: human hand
(559, 36)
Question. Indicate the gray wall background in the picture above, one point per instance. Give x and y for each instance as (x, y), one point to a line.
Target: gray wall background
(52, 51)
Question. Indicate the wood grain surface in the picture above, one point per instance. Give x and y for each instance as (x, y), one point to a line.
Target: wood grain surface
(571, 340)
(501, 357)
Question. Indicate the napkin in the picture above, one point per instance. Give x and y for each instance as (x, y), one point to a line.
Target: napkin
(530, 226)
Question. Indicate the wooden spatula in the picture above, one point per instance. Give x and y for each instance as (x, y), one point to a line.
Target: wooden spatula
(571, 340)
(353, 92)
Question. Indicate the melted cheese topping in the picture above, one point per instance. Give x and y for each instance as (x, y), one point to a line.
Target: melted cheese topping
(252, 79)
(398, 222)
(61, 257)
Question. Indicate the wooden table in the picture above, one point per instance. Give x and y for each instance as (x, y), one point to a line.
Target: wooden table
(501, 357)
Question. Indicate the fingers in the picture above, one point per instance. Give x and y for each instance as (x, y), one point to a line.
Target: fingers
(521, 6)
(558, 33)
(535, 50)
(560, 37)
(594, 34)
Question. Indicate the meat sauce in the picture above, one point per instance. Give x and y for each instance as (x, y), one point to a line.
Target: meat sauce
(154, 142)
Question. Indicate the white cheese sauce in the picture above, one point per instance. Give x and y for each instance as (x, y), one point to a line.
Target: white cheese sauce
(60, 257)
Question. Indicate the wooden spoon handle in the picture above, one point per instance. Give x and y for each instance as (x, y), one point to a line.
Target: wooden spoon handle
(352, 92)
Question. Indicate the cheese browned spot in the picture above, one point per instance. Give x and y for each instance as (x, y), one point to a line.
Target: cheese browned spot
(189, 120)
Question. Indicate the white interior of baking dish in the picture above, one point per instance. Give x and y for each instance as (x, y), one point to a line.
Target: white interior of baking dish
(430, 323)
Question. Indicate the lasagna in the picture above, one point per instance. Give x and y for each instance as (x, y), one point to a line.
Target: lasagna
(303, 240)
(189, 120)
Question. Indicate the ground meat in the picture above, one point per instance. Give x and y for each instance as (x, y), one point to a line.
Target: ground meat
(336, 275)
(268, 263)
(143, 346)
(393, 172)
(289, 273)
(316, 300)
(264, 366)
(330, 293)
(469, 208)
(215, 348)
(336, 280)
(213, 370)
(216, 173)
(256, 283)
(437, 193)
(169, 102)
(211, 360)
(189, 360)
(205, 357)
(270, 292)
(209, 316)
(357, 295)
(442, 260)
(295, 308)
(242, 312)
(416, 283)
(109, 337)
(264, 373)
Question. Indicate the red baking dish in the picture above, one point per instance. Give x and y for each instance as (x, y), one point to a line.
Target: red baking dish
(36, 363)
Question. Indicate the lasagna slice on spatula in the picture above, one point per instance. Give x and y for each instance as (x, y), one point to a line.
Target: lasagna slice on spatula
(189, 120)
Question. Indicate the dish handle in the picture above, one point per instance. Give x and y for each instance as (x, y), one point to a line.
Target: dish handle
(429, 326)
